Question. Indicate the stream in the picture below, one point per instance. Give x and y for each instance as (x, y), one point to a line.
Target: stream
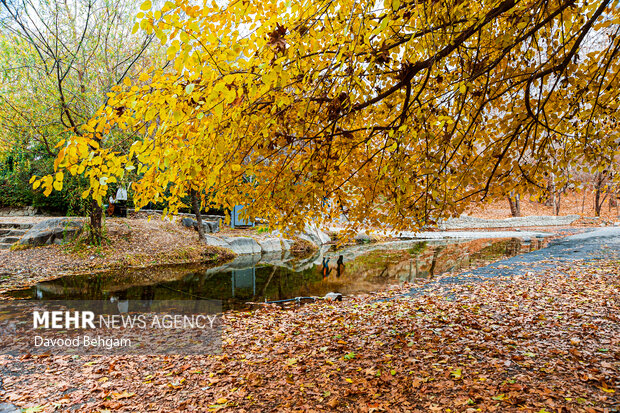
(255, 278)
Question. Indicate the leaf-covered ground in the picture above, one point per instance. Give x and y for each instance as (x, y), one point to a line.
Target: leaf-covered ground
(572, 203)
(542, 342)
(131, 243)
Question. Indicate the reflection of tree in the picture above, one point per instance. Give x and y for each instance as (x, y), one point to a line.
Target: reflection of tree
(536, 244)
(280, 294)
(513, 247)
(366, 273)
(436, 253)
(262, 293)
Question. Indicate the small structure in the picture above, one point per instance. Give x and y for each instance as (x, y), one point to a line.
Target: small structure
(244, 279)
(235, 218)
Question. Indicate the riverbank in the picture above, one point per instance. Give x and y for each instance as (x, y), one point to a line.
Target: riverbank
(542, 341)
(143, 242)
(130, 243)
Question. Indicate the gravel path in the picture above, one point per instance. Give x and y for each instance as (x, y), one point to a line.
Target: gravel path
(532, 221)
(440, 235)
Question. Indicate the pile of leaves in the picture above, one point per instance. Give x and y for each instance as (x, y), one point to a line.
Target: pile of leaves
(545, 342)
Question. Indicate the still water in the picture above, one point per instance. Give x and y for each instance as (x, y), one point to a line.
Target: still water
(351, 270)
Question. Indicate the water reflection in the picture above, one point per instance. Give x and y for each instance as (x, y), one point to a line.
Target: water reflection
(348, 271)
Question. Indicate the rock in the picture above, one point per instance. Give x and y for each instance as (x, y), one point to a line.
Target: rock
(210, 227)
(242, 245)
(188, 223)
(270, 245)
(238, 245)
(216, 242)
(333, 296)
(286, 244)
(213, 226)
(50, 230)
(465, 222)
(315, 235)
(28, 211)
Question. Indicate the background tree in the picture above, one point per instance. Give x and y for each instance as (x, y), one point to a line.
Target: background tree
(514, 199)
(62, 58)
(395, 113)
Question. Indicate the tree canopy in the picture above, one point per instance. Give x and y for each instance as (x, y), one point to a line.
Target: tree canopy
(57, 62)
(380, 113)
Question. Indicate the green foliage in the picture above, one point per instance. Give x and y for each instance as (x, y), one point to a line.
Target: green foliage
(17, 165)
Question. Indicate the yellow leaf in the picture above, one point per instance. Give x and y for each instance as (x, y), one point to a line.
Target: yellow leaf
(219, 109)
(85, 194)
(222, 400)
(123, 395)
(146, 5)
(58, 185)
(59, 158)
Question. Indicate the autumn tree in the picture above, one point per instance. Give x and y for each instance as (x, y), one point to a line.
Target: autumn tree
(379, 113)
(62, 57)
(514, 200)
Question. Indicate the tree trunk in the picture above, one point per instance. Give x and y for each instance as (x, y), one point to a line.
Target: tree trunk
(550, 201)
(95, 222)
(583, 202)
(436, 253)
(599, 199)
(556, 201)
(515, 204)
(196, 208)
(613, 198)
